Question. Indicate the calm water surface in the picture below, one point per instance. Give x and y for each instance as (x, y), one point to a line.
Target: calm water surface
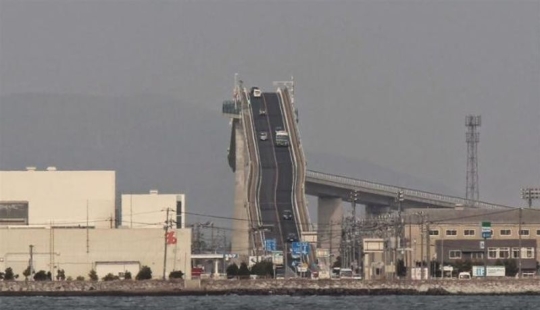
(276, 302)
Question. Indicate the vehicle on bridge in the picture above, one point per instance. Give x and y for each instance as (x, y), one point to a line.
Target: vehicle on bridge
(287, 215)
(256, 92)
(262, 112)
(263, 136)
(292, 237)
(282, 138)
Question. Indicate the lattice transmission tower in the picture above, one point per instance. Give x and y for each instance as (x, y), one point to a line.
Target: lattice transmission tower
(472, 192)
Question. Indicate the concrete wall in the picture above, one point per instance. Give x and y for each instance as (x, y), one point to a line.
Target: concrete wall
(77, 250)
(62, 197)
(329, 215)
(148, 210)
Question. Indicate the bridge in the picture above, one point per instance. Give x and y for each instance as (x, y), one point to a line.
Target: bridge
(271, 180)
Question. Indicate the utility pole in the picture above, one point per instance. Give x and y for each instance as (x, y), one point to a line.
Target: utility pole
(168, 224)
(331, 237)
(354, 197)
(422, 246)
(428, 249)
(31, 262)
(519, 234)
(87, 231)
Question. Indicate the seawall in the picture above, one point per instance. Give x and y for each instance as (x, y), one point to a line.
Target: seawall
(272, 287)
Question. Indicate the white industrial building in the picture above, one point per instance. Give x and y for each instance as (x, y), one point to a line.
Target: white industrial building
(53, 220)
(77, 251)
(59, 198)
(149, 210)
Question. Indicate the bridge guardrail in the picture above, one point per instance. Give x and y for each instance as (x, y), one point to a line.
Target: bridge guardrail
(299, 157)
(253, 171)
(392, 190)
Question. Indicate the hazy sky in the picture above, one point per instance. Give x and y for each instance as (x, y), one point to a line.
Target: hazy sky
(385, 82)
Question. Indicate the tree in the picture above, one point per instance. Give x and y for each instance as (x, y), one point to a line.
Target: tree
(60, 275)
(79, 278)
(401, 270)
(263, 269)
(110, 277)
(26, 273)
(337, 263)
(243, 272)
(511, 268)
(8, 274)
(232, 270)
(144, 274)
(177, 274)
(127, 275)
(41, 276)
(93, 275)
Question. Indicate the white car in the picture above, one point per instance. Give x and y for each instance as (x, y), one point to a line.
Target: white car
(263, 135)
(256, 92)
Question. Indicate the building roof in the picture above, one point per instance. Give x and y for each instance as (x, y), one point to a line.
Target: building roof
(467, 216)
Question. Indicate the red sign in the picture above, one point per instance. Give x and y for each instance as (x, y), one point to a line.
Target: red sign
(171, 239)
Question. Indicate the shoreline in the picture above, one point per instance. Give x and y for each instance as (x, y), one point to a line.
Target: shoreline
(291, 287)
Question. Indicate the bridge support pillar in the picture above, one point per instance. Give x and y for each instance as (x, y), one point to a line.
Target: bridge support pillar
(373, 210)
(240, 234)
(329, 214)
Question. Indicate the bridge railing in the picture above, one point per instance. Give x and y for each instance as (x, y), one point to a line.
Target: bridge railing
(252, 207)
(299, 161)
(393, 190)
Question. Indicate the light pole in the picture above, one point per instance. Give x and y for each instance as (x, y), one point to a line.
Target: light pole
(530, 194)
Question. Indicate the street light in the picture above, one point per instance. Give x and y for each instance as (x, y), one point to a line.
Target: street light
(530, 194)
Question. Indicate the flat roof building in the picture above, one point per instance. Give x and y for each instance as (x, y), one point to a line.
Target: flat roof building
(58, 198)
(150, 210)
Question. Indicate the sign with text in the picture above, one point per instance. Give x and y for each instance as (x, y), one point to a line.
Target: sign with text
(270, 244)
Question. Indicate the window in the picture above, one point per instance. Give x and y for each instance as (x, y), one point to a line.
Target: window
(434, 232)
(504, 252)
(492, 253)
(455, 254)
(505, 232)
(538, 232)
(469, 232)
(477, 255)
(451, 232)
(529, 252)
(515, 252)
(524, 232)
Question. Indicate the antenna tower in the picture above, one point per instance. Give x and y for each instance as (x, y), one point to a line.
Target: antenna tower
(472, 193)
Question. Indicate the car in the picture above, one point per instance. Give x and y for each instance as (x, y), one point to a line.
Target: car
(263, 135)
(291, 237)
(256, 92)
(287, 215)
(262, 112)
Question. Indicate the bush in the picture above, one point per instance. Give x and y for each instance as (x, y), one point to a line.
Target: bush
(144, 274)
(93, 275)
(26, 273)
(79, 278)
(41, 276)
(176, 274)
(127, 275)
(232, 270)
(110, 277)
(263, 269)
(60, 275)
(243, 272)
(69, 278)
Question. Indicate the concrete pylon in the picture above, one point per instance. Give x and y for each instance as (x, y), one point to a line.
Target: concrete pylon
(240, 234)
(329, 215)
